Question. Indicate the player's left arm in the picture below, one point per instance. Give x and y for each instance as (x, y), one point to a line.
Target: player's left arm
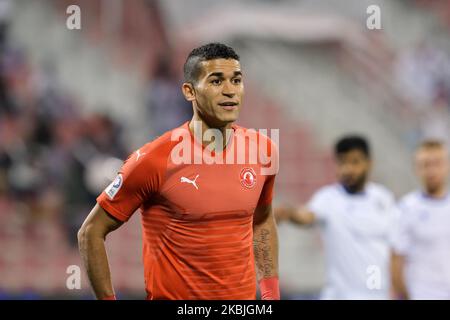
(265, 244)
(398, 285)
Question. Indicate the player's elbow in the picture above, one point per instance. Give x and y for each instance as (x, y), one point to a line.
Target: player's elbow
(82, 236)
(85, 233)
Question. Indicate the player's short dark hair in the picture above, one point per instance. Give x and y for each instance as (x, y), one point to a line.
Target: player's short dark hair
(431, 144)
(350, 143)
(206, 52)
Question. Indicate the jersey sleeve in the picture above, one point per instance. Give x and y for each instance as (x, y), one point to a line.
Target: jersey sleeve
(319, 205)
(137, 180)
(401, 236)
(394, 214)
(269, 168)
(267, 192)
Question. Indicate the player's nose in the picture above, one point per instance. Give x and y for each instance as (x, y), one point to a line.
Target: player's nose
(228, 90)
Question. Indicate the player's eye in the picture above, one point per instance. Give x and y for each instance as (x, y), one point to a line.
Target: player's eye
(216, 82)
(237, 80)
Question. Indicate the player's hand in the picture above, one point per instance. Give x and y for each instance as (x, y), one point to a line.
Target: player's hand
(283, 213)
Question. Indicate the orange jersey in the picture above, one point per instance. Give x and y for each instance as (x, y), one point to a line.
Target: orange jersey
(197, 219)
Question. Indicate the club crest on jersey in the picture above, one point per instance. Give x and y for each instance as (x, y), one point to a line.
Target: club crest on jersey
(114, 187)
(248, 177)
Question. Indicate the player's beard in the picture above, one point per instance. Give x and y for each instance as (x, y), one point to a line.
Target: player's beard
(357, 185)
(434, 188)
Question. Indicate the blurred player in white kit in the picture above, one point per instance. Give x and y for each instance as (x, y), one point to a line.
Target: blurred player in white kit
(355, 219)
(421, 255)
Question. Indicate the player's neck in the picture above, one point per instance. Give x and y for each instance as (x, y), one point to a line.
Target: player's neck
(354, 190)
(198, 127)
(437, 193)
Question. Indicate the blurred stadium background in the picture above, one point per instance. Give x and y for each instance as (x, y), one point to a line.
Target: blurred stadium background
(74, 103)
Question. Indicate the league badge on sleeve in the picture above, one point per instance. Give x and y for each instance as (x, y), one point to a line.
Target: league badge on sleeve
(114, 187)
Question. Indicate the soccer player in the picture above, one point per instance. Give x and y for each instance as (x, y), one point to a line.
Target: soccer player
(208, 229)
(353, 216)
(421, 251)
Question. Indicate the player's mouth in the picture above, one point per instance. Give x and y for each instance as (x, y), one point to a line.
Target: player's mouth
(229, 105)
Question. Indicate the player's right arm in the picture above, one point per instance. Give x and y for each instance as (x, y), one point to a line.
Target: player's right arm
(137, 180)
(91, 242)
(297, 215)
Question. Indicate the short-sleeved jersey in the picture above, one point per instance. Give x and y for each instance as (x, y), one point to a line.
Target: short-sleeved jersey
(197, 218)
(357, 231)
(423, 238)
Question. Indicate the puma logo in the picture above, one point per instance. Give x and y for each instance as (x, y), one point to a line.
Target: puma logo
(193, 182)
(139, 154)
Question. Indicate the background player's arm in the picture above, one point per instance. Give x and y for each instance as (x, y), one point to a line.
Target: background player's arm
(397, 276)
(297, 215)
(91, 242)
(265, 243)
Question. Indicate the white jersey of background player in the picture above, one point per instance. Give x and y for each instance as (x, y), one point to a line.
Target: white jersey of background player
(355, 219)
(421, 257)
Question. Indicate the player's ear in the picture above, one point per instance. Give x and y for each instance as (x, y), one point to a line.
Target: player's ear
(188, 91)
